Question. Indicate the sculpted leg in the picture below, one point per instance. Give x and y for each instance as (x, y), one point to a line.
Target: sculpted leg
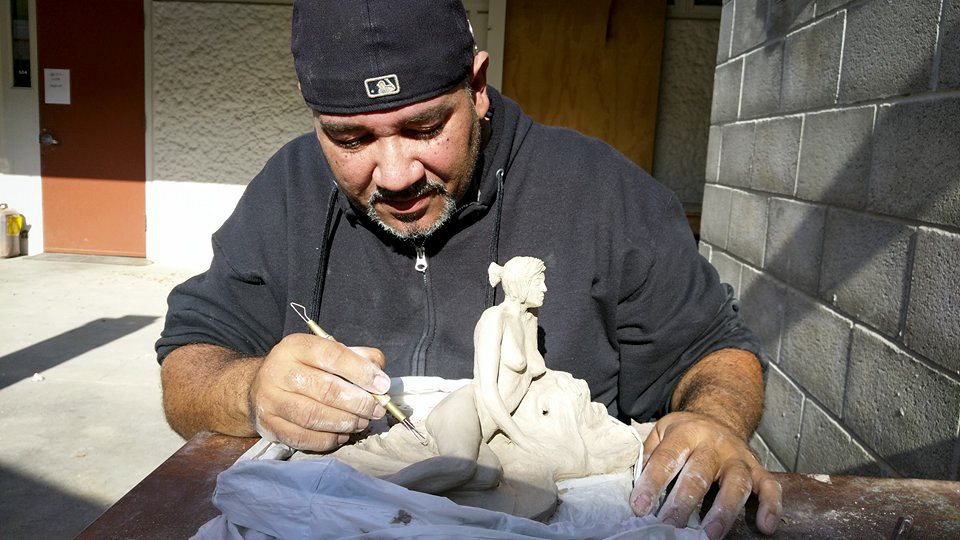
(454, 426)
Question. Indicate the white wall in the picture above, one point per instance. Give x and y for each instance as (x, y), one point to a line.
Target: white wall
(223, 98)
(19, 132)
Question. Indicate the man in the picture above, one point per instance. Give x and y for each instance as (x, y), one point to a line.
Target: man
(383, 223)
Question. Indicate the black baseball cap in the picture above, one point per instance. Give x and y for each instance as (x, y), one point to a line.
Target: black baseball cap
(356, 56)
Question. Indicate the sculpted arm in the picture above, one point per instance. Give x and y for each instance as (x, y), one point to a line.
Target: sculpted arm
(535, 364)
(307, 392)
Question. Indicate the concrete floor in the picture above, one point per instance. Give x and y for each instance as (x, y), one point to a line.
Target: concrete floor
(88, 426)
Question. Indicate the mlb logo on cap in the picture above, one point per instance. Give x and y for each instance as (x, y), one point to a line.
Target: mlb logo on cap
(386, 85)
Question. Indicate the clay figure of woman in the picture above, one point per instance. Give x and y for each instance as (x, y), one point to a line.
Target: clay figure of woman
(506, 360)
(506, 357)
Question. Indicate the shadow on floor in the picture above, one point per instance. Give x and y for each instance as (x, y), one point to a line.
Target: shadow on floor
(52, 352)
(33, 509)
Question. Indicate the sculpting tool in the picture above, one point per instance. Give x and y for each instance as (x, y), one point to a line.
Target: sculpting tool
(382, 399)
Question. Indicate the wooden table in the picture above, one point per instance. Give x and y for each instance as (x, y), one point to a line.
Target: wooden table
(175, 500)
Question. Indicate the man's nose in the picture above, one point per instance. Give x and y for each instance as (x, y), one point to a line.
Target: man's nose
(397, 165)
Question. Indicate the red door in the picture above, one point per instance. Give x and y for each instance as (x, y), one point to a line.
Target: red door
(92, 149)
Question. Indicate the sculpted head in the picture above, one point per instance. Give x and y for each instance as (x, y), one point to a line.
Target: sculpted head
(523, 279)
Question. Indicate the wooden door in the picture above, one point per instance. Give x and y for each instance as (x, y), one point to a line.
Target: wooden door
(592, 66)
(93, 148)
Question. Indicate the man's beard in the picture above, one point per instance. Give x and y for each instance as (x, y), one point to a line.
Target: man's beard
(425, 186)
(415, 233)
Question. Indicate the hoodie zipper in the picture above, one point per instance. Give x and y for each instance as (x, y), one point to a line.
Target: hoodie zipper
(421, 264)
(419, 360)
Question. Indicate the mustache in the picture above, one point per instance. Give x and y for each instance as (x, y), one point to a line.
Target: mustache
(418, 189)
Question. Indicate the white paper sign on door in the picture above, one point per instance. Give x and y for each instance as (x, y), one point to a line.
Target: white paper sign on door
(56, 86)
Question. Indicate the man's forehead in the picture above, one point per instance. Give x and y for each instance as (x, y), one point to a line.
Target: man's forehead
(427, 111)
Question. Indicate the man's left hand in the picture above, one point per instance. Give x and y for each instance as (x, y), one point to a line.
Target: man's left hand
(703, 451)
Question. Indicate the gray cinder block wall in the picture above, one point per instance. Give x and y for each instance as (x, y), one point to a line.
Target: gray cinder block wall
(832, 205)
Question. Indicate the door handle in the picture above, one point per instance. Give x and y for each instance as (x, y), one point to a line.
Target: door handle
(48, 139)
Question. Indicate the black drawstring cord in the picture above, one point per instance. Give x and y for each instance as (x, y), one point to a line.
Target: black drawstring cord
(495, 243)
(324, 255)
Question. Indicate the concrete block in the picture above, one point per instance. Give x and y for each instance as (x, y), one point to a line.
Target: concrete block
(762, 306)
(826, 6)
(888, 48)
(761, 81)
(786, 15)
(775, 155)
(748, 226)
(933, 313)
(712, 172)
(726, 92)
(726, 33)
(825, 447)
(811, 65)
(773, 464)
(904, 410)
(749, 24)
(814, 348)
(835, 157)
(705, 250)
(795, 242)
(715, 216)
(764, 455)
(950, 46)
(736, 154)
(864, 270)
(729, 270)
(915, 170)
(759, 448)
(782, 410)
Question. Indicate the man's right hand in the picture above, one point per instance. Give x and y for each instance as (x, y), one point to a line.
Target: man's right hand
(311, 393)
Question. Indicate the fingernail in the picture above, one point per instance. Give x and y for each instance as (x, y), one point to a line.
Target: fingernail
(379, 411)
(641, 505)
(771, 521)
(381, 383)
(714, 530)
(342, 439)
(362, 424)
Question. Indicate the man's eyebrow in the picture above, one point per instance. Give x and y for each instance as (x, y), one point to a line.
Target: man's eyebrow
(334, 129)
(432, 115)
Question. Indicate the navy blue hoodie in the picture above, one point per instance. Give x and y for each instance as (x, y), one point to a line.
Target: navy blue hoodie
(631, 303)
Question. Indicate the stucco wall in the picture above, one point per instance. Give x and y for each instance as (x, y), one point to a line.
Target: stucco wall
(224, 90)
(832, 204)
(224, 99)
(683, 110)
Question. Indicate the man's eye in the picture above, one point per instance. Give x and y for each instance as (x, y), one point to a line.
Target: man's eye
(426, 132)
(349, 143)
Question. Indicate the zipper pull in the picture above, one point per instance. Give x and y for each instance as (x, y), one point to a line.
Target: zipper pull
(421, 265)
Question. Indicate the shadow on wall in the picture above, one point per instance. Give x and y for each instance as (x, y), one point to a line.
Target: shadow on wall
(54, 351)
(875, 167)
